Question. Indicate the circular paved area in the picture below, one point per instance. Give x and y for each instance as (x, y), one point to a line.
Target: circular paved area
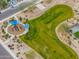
(11, 29)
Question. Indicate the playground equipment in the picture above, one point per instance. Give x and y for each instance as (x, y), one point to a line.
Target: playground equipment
(26, 26)
(15, 25)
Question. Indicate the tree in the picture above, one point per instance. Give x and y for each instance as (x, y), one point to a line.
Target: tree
(3, 4)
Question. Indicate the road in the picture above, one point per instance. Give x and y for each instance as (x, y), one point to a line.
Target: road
(9, 12)
(4, 54)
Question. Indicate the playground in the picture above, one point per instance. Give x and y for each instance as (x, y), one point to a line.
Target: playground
(16, 27)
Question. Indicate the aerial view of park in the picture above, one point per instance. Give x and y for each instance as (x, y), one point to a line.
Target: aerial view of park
(39, 29)
(42, 37)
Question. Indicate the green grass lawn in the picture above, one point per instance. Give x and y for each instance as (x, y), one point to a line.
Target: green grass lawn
(76, 34)
(42, 37)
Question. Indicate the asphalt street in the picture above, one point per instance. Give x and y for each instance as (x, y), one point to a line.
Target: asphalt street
(16, 9)
(4, 54)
